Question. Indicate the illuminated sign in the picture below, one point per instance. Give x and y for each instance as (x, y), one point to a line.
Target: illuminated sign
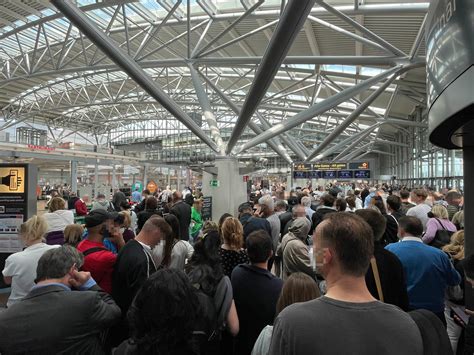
(315, 174)
(359, 165)
(300, 174)
(329, 174)
(345, 174)
(303, 167)
(12, 180)
(362, 174)
(329, 166)
(41, 147)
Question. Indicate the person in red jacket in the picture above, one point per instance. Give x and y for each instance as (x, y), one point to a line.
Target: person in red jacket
(80, 206)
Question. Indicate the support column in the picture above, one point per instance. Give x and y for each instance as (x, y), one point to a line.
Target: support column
(232, 190)
(74, 176)
(114, 178)
(96, 180)
(145, 175)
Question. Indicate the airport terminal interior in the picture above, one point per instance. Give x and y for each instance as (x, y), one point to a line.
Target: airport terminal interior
(209, 163)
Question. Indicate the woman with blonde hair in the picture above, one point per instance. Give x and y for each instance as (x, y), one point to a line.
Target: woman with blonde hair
(456, 248)
(231, 250)
(20, 268)
(299, 287)
(126, 229)
(438, 228)
(57, 219)
(73, 234)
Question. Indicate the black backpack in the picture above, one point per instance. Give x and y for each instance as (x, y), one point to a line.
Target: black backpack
(442, 237)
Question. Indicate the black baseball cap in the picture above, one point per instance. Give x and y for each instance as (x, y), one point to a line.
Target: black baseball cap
(96, 217)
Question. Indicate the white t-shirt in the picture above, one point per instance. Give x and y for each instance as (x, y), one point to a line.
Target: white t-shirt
(421, 212)
(58, 220)
(21, 267)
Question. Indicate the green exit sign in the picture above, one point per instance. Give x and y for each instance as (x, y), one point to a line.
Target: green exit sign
(214, 183)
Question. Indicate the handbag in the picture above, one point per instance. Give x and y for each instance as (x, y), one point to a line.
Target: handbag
(442, 237)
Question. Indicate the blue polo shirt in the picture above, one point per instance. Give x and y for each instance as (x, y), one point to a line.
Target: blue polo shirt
(428, 272)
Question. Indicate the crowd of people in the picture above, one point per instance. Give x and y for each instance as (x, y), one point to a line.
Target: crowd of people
(334, 270)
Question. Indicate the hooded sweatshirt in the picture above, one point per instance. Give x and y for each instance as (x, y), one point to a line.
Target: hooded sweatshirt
(293, 251)
(101, 205)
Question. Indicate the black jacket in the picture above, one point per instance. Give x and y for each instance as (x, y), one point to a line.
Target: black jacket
(318, 216)
(392, 278)
(53, 320)
(182, 211)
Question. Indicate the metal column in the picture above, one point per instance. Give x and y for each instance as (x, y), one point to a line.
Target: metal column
(96, 180)
(73, 176)
(114, 177)
(145, 177)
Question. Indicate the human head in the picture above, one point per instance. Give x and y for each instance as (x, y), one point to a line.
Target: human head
(351, 202)
(300, 228)
(375, 220)
(306, 201)
(154, 230)
(177, 196)
(394, 202)
(73, 234)
(419, 196)
(298, 287)
(146, 193)
(209, 226)
(127, 220)
(56, 203)
(439, 211)
(281, 206)
(298, 211)
(233, 233)
(58, 263)
(343, 244)
(377, 202)
(97, 221)
(410, 226)
(456, 247)
(341, 204)
(33, 230)
(222, 219)
(244, 208)
(404, 195)
(453, 197)
(267, 200)
(85, 198)
(327, 200)
(197, 204)
(100, 196)
(163, 313)
(151, 203)
(259, 246)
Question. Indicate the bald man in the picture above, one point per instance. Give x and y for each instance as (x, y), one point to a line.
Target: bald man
(183, 212)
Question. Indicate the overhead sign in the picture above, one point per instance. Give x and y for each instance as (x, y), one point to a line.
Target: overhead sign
(214, 183)
(329, 166)
(362, 174)
(303, 167)
(359, 165)
(41, 147)
(12, 180)
(345, 174)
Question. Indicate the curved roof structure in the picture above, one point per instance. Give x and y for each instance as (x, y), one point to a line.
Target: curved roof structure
(352, 74)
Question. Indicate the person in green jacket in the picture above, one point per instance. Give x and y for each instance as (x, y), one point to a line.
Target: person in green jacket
(196, 218)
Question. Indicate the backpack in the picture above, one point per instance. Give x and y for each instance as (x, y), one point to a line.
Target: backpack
(442, 237)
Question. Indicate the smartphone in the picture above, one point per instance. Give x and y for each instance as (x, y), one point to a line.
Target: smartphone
(459, 311)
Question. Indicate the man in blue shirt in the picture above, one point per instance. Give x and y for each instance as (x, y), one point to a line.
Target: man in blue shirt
(136, 196)
(428, 270)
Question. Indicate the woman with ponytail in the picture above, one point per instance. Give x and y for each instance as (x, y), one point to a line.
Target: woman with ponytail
(231, 250)
(20, 268)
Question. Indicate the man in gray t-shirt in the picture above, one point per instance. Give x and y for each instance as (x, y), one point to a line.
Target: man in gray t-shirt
(348, 320)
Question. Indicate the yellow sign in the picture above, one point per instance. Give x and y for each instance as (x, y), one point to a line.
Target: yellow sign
(330, 166)
(12, 180)
(152, 187)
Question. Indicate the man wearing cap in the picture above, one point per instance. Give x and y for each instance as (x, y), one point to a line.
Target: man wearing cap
(98, 260)
(252, 223)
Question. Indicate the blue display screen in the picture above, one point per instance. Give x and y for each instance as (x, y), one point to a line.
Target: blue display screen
(315, 174)
(300, 174)
(345, 174)
(330, 174)
(362, 174)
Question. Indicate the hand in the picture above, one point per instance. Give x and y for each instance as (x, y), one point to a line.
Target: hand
(469, 312)
(79, 278)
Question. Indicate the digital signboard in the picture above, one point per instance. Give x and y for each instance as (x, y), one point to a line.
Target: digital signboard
(329, 174)
(315, 174)
(345, 174)
(362, 174)
(300, 175)
(359, 165)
